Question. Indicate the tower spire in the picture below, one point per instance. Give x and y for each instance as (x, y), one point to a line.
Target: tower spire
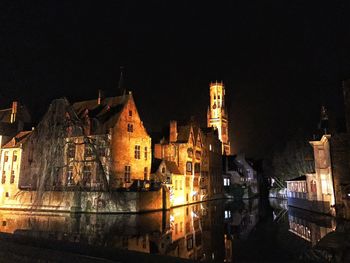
(217, 115)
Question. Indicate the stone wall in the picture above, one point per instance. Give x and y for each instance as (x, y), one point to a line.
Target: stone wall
(89, 202)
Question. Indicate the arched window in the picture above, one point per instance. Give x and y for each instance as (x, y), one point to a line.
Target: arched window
(313, 186)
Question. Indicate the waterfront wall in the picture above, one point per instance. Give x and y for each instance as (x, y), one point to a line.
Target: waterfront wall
(89, 202)
(312, 205)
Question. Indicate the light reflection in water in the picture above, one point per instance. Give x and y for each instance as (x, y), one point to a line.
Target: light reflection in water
(222, 231)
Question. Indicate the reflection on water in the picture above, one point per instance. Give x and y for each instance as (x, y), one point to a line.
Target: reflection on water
(223, 231)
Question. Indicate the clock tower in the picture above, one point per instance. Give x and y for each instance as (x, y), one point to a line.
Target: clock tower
(217, 114)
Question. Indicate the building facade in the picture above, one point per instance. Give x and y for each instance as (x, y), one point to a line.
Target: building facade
(115, 148)
(217, 115)
(238, 172)
(184, 149)
(10, 164)
(315, 191)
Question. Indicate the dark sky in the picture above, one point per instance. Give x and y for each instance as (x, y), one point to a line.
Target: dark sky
(280, 60)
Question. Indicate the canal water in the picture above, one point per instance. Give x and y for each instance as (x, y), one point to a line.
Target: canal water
(219, 231)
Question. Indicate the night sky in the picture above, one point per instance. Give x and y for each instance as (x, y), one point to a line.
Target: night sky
(280, 60)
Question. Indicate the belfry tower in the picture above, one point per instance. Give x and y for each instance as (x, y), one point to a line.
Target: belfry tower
(217, 114)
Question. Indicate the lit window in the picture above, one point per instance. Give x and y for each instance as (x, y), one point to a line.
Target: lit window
(14, 158)
(3, 178)
(145, 153)
(175, 184)
(130, 113)
(180, 184)
(130, 127)
(12, 178)
(137, 151)
(127, 172)
(227, 214)
(70, 175)
(189, 167)
(6, 158)
(226, 182)
(313, 186)
(210, 148)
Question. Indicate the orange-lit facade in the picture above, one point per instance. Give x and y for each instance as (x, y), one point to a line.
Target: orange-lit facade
(217, 115)
(197, 156)
(185, 148)
(115, 147)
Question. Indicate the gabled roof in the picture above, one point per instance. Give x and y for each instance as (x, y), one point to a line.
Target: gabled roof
(16, 141)
(22, 114)
(5, 115)
(183, 135)
(106, 113)
(155, 165)
(172, 167)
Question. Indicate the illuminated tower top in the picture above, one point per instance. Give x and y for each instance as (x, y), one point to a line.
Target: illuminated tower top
(217, 114)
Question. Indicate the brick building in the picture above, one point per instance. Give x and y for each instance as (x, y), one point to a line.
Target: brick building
(115, 146)
(184, 147)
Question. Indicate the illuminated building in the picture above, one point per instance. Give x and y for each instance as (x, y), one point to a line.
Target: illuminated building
(168, 173)
(10, 164)
(217, 115)
(184, 148)
(315, 191)
(115, 145)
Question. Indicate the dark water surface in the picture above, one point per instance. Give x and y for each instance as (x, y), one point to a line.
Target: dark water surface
(220, 231)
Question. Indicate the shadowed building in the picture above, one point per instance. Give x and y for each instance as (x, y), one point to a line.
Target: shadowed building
(12, 121)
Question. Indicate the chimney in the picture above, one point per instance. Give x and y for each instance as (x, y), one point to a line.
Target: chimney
(173, 131)
(13, 112)
(100, 97)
